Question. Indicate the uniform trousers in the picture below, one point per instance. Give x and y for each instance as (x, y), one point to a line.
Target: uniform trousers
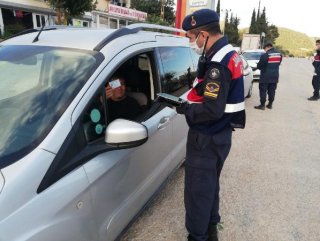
(265, 88)
(204, 161)
(316, 85)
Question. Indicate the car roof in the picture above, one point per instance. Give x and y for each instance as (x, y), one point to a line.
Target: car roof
(253, 50)
(83, 38)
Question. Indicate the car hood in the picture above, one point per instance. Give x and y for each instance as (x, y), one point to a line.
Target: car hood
(253, 63)
(1, 181)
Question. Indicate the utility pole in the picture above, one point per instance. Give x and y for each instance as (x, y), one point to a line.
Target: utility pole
(162, 9)
(178, 13)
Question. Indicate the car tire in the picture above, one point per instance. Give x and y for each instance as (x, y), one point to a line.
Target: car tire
(250, 91)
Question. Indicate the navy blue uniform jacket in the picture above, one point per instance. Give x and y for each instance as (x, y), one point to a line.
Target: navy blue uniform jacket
(316, 64)
(269, 65)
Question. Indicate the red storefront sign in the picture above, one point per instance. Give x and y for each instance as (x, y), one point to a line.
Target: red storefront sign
(127, 12)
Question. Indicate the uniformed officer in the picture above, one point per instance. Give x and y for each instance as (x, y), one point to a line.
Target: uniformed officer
(269, 65)
(316, 75)
(215, 106)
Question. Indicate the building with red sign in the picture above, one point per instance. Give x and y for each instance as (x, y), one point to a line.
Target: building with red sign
(17, 15)
(115, 14)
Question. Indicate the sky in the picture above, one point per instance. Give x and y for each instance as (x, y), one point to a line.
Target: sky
(301, 16)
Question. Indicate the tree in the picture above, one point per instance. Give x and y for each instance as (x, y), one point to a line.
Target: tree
(72, 8)
(272, 33)
(231, 29)
(218, 8)
(259, 24)
(236, 37)
(153, 8)
(262, 24)
(253, 24)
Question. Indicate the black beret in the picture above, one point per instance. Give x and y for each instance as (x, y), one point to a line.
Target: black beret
(199, 18)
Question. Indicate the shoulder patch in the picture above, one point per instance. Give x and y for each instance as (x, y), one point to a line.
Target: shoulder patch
(214, 73)
(235, 66)
(212, 90)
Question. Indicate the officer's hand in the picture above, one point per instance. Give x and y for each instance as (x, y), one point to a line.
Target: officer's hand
(182, 108)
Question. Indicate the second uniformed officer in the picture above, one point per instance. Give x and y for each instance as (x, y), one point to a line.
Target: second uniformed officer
(215, 107)
(269, 65)
(316, 76)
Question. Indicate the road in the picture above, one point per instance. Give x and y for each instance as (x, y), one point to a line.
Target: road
(270, 184)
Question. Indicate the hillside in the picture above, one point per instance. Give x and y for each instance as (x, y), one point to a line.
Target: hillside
(298, 44)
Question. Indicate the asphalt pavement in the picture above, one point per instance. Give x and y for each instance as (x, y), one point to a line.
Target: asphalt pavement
(270, 183)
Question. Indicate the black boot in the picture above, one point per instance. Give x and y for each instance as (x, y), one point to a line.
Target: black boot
(190, 238)
(213, 233)
(260, 107)
(269, 105)
(313, 98)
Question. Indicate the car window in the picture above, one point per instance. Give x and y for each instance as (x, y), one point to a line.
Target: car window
(252, 55)
(125, 94)
(36, 86)
(178, 70)
(195, 59)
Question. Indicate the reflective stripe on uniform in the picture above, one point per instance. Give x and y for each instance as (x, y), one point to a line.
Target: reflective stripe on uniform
(274, 58)
(222, 52)
(231, 108)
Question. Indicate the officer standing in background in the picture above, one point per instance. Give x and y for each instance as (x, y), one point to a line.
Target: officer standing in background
(215, 106)
(269, 65)
(316, 76)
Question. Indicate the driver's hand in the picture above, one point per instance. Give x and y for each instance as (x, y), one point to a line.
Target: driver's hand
(108, 90)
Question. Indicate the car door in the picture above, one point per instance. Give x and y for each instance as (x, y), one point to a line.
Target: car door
(177, 74)
(123, 180)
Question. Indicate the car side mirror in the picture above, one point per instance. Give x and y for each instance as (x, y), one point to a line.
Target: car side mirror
(126, 134)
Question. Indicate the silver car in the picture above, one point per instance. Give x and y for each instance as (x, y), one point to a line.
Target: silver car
(67, 172)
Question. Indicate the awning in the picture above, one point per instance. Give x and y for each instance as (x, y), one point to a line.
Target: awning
(28, 6)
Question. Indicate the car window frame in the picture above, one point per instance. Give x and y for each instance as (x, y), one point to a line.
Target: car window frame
(69, 157)
(162, 69)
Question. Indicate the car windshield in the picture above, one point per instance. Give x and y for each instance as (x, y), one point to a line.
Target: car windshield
(252, 55)
(36, 86)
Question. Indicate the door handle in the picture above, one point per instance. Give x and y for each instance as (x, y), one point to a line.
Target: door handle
(164, 122)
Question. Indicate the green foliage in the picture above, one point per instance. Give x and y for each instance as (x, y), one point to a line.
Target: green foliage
(253, 25)
(272, 33)
(153, 8)
(218, 8)
(260, 24)
(231, 29)
(12, 29)
(73, 8)
(295, 43)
